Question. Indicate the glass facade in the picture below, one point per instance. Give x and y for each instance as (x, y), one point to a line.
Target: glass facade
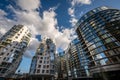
(77, 61)
(99, 33)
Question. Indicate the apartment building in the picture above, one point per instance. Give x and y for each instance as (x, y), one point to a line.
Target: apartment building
(12, 46)
(42, 66)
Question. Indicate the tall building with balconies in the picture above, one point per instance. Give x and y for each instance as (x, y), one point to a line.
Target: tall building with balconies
(42, 66)
(99, 33)
(12, 46)
(77, 63)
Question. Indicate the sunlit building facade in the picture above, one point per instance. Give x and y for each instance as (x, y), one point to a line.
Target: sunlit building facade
(42, 66)
(99, 34)
(12, 46)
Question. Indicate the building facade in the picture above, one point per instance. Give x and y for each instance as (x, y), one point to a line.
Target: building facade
(42, 66)
(61, 66)
(77, 64)
(99, 33)
(12, 46)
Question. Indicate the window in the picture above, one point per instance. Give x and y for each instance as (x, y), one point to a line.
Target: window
(40, 61)
(98, 44)
(7, 54)
(114, 59)
(47, 71)
(39, 66)
(1, 53)
(41, 57)
(43, 71)
(117, 51)
(38, 71)
(47, 66)
(44, 57)
(4, 58)
(12, 50)
(16, 37)
(108, 40)
(111, 52)
(44, 66)
(53, 66)
(44, 62)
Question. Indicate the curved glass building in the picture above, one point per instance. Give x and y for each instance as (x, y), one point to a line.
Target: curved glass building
(99, 33)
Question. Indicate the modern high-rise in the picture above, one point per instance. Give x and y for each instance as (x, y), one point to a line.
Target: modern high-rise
(99, 33)
(12, 46)
(42, 66)
(77, 64)
(60, 66)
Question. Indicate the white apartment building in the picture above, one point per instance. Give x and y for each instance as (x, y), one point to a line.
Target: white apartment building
(12, 46)
(42, 66)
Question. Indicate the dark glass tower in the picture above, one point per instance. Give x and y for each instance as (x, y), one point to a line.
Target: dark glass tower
(99, 33)
(77, 61)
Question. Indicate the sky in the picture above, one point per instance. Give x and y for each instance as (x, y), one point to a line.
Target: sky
(46, 18)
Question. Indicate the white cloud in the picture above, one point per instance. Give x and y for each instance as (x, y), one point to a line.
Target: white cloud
(29, 4)
(2, 13)
(2, 30)
(73, 21)
(74, 2)
(28, 54)
(71, 11)
(5, 23)
(45, 25)
(33, 45)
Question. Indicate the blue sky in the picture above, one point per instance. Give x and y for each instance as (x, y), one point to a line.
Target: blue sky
(48, 18)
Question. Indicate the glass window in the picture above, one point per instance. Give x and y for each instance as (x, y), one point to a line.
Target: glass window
(114, 59)
(41, 57)
(40, 61)
(44, 62)
(97, 39)
(47, 71)
(111, 52)
(102, 62)
(117, 43)
(117, 51)
(43, 71)
(7, 54)
(108, 40)
(103, 55)
(38, 71)
(98, 44)
(111, 45)
(39, 66)
(104, 36)
(44, 66)
(47, 66)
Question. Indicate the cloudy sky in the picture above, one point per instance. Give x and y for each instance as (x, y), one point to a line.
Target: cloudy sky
(48, 18)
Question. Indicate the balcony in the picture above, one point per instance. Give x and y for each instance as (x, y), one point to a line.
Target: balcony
(2, 46)
(8, 41)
